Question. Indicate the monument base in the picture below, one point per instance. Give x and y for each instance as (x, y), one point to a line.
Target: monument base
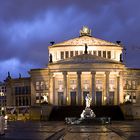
(88, 121)
(88, 118)
(88, 113)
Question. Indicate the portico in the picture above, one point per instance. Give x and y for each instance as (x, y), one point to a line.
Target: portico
(71, 88)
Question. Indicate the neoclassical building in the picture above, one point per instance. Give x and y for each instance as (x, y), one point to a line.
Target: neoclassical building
(77, 67)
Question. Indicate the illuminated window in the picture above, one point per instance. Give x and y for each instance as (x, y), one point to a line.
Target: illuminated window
(46, 85)
(37, 98)
(124, 84)
(134, 97)
(41, 85)
(66, 54)
(109, 54)
(129, 84)
(86, 81)
(60, 82)
(71, 53)
(133, 84)
(130, 97)
(104, 54)
(62, 55)
(37, 86)
(99, 84)
(111, 84)
(72, 82)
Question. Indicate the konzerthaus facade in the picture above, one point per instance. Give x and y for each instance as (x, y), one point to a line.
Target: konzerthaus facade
(77, 67)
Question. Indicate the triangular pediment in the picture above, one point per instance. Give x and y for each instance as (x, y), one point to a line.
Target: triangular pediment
(90, 41)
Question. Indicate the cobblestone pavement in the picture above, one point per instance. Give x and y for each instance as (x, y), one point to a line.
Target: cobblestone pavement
(33, 130)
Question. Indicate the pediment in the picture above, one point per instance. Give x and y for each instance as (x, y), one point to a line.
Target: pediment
(90, 41)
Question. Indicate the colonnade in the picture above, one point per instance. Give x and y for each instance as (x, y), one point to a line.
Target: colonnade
(92, 88)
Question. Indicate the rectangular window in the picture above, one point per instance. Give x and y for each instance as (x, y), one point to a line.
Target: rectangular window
(20, 90)
(108, 54)
(94, 53)
(26, 101)
(76, 53)
(37, 98)
(16, 90)
(66, 54)
(86, 82)
(16, 101)
(37, 86)
(104, 54)
(111, 84)
(26, 89)
(99, 84)
(60, 82)
(133, 84)
(42, 85)
(90, 52)
(47, 85)
(71, 53)
(81, 52)
(62, 55)
(23, 90)
(20, 101)
(72, 82)
(99, 53)
(129, 84)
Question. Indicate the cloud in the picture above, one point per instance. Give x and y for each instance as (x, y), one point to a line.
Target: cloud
(15, 67)
(27, 27)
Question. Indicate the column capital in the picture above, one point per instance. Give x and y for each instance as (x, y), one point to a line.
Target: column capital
(51, 74)
(79, 72)
(93, 72)
(120, 73)
(107, 72)
(64, 72)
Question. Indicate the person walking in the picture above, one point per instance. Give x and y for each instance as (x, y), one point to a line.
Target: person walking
(2, 125)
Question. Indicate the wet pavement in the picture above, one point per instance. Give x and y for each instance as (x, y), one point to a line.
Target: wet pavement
(35, 130)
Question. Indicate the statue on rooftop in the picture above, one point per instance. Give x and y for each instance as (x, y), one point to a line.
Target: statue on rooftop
(86, 52)
(50, 58)
(85, 31)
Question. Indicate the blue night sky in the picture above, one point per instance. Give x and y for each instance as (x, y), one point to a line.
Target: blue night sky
(27, 27)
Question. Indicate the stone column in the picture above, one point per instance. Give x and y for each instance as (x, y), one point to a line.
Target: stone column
(79, 87)
(65, 87)
(107, 86)
(118, 89)
(93, 87)
(54, 90)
